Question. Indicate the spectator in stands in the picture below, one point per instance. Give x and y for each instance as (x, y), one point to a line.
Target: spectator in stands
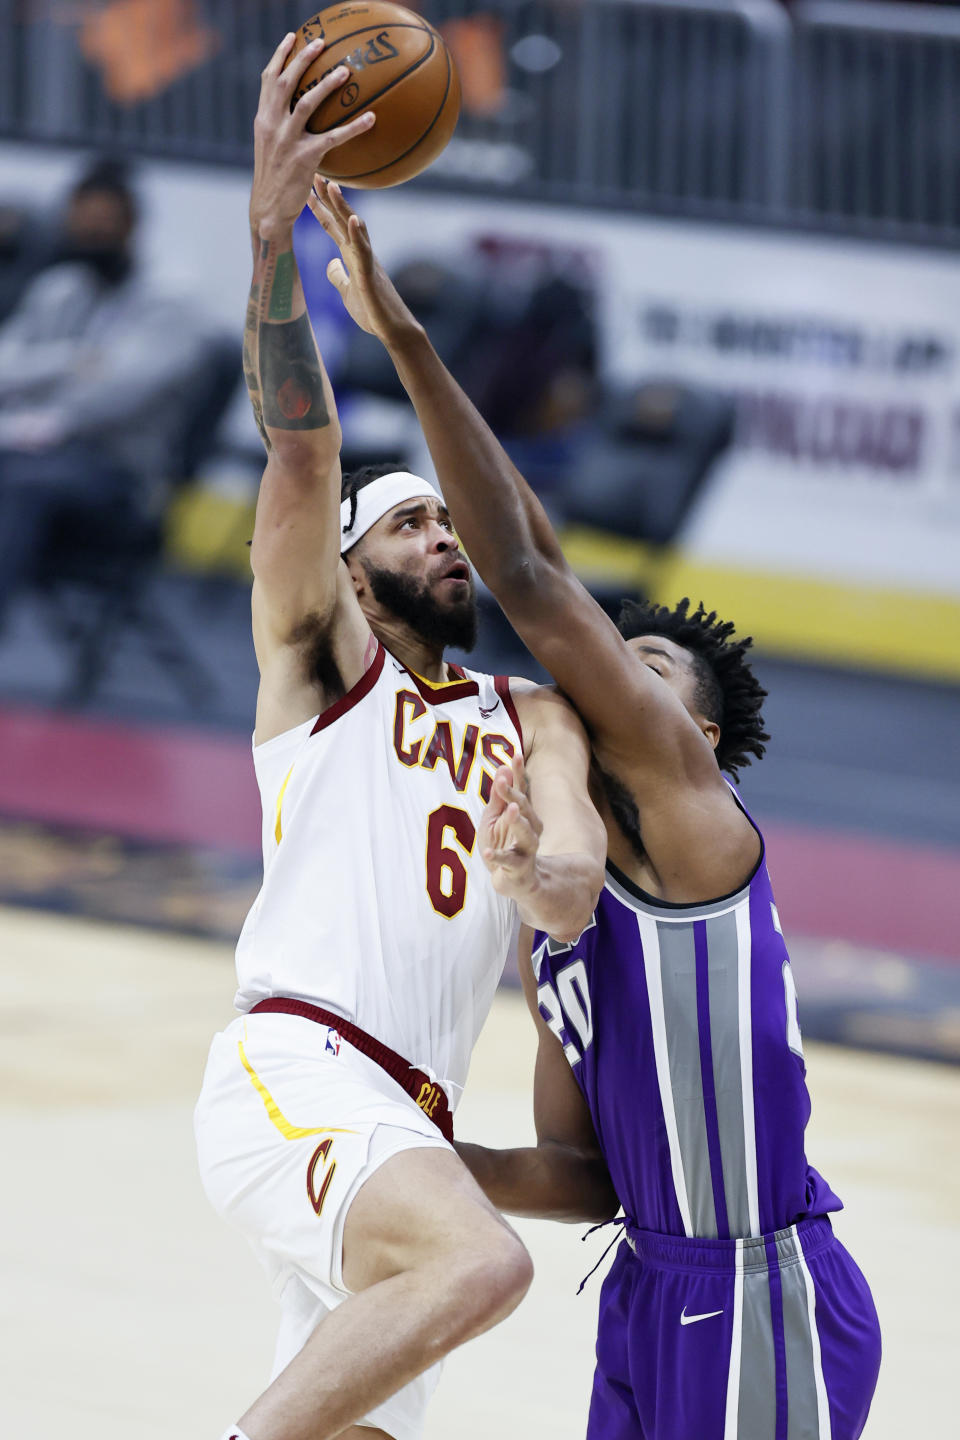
(542, 374)
(24, 249)
(97, 375)
(523, 345)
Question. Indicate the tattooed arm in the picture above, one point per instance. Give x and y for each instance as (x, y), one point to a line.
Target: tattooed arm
(286, 381)
(296, 543)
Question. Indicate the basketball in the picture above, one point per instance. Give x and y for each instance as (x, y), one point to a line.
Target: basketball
(401, 69)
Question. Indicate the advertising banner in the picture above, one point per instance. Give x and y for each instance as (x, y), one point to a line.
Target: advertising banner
(833, 525)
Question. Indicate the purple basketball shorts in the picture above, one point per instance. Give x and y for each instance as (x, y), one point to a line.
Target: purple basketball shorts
(775, 1338)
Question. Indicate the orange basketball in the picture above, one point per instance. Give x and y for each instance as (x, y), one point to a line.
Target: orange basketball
(401, 69)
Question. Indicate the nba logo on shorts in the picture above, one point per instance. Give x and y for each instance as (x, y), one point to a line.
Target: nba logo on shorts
(333, 1042)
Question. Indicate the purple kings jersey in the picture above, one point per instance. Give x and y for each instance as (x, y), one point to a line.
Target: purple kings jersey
(680, 1024)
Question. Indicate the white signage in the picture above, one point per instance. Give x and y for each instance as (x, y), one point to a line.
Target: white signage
(844, 359)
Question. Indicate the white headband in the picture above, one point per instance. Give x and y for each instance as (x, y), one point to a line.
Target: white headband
(375, 499)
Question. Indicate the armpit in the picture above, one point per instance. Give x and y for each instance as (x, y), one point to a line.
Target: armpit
(314, 639)
(624, 810)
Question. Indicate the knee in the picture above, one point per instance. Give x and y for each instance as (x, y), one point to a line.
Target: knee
(494, 1279)
(510, 1271)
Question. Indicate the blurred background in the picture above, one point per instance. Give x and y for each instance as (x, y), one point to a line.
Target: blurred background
(698, 263)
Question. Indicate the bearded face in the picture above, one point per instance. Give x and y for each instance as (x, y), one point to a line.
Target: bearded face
(441, 608)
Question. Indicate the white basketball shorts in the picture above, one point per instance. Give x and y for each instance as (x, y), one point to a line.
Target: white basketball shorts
(290, 1122)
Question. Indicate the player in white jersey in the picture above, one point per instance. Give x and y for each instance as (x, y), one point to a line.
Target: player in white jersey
(399, 846)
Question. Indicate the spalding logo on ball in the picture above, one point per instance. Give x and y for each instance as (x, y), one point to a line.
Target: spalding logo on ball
(401, 69)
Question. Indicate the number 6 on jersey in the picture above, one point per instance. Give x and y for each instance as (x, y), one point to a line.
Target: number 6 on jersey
(448, 898)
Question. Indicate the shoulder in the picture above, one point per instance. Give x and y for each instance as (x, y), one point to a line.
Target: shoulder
(540, 705)
(69, 275)
(551, 725)
(58, 284)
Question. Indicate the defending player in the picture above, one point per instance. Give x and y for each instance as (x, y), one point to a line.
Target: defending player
(730, 1312)
(371, 955)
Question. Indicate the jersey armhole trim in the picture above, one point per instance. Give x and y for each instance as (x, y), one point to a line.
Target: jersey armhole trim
(353, 696)
(501, 683)
(654, 903)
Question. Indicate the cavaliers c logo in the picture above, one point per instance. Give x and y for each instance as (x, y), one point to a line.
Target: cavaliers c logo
(316, 1194)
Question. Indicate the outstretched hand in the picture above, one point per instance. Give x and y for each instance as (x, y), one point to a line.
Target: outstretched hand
(286, 153)
(510, 833)
(370, 296)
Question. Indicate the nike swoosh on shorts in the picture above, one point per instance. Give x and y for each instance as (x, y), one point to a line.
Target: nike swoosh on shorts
(686, 1319)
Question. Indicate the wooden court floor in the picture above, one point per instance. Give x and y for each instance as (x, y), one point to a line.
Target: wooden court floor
(129, 1312)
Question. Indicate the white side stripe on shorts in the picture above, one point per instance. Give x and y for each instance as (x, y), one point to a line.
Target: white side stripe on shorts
(732, 1418)
(823, 1404)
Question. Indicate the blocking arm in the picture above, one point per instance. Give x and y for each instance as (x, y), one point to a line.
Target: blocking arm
(564, 1176)
(509, 538)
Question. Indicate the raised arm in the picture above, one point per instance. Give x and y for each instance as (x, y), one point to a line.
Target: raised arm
(700, 843)
(564, 1176)
(296, 542)
(506, 532)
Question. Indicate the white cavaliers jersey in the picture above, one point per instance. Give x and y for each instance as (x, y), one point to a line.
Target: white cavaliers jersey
(375, 901)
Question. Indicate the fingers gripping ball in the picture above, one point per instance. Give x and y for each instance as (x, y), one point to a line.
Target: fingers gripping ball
(400, 69)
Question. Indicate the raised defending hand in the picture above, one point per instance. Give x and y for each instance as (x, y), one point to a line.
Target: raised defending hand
(510, 833)
(286, 154)
(366, 289)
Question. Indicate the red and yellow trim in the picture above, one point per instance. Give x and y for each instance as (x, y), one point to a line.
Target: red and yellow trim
(457, 689)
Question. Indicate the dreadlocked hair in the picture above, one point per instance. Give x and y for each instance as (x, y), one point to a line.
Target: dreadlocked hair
(728, 692)
(354, 482)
